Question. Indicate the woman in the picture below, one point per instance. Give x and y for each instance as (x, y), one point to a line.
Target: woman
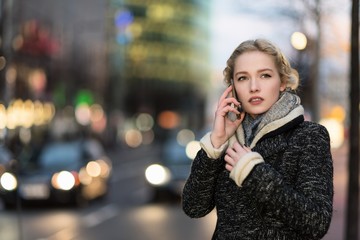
(268, 173)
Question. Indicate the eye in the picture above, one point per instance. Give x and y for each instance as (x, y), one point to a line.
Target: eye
(265, 75)
(242, 78)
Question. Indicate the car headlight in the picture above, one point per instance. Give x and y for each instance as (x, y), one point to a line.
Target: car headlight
(157, 174)
(63, 180)
(8, 181)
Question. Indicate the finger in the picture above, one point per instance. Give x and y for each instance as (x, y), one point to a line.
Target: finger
(229, 102)
(225, 110)
(229, 160)
(229, 167)
(227, 92)
(241, 149)
(238, 147)
(234, 107)
(247, 149)
(230, 151)
(226, 96)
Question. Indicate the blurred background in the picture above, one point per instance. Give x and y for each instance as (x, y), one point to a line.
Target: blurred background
(102, 105)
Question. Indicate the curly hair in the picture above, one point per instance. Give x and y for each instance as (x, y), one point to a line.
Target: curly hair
(287, 74)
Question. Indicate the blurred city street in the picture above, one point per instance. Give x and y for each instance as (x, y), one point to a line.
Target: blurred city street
(130, 213)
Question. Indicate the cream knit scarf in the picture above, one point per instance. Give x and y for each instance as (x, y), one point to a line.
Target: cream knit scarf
(286, 103)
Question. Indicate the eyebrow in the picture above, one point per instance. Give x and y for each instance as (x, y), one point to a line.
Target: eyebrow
(259, 71)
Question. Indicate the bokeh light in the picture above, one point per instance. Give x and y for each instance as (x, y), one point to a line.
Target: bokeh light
(298, 40)
(144, 122)
(336, 131)
(148, 137)
(83, 114)
(133, 138)
(25, 114)
(3, 116)
(184, 136)
(98, 118)
(169, 119)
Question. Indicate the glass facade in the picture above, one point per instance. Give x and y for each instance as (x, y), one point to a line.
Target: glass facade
(160, 53)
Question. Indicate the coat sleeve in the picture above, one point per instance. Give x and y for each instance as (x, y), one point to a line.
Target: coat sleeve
(306, 205)
(198, 192)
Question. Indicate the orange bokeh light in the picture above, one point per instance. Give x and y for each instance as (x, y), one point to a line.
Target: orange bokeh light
(169, 119)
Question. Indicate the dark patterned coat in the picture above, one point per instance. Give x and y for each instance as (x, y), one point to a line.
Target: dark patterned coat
(289, 196)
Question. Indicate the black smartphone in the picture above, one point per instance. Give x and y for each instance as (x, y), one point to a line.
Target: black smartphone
(231, 115)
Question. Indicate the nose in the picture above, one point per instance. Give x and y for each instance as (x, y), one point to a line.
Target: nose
(254, 85)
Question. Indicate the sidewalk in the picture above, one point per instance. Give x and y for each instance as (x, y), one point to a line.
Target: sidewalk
(340, 159)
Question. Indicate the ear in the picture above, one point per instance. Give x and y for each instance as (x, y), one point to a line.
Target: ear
(282, 86)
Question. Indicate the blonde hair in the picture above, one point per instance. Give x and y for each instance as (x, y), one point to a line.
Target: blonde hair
(287, 74)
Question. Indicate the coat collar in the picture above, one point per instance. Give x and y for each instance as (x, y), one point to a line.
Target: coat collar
(272, 128)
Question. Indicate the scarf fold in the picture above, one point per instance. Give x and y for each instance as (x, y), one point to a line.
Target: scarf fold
(287, 102)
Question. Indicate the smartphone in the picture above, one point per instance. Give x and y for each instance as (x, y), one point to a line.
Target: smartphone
(231, 115)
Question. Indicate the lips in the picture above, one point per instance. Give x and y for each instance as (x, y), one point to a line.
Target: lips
(256, 100)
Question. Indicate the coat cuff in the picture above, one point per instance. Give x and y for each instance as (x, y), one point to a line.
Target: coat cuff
(211, 152)
(244, 166)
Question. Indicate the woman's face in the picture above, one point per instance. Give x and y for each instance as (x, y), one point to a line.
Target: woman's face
(257, 82)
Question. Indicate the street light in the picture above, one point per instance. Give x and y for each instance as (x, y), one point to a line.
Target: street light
(298, 40)
(311, 98)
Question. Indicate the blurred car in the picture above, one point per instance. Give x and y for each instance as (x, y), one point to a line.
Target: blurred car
(167, 176)
(72, 172)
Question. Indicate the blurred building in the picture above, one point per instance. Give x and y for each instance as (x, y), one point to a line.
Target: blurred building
(159, 56)
(63, 39)
(132, 56)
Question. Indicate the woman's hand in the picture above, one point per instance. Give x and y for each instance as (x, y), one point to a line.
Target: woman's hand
(223, 127)
(233, 155)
